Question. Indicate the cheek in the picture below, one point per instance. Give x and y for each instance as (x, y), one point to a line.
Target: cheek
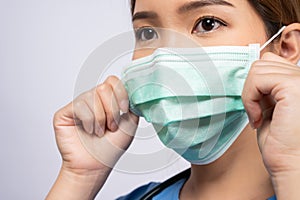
(244, 35)
(253, 35)
(140, 53)
(233, 37)
(239, 33)
(251, 30)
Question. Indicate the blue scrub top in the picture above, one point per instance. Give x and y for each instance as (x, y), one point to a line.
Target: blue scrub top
(170, 193)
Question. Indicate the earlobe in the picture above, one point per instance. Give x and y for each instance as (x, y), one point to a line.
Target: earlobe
(289, 47)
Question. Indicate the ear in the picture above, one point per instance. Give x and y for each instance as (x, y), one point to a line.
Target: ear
(289, 45)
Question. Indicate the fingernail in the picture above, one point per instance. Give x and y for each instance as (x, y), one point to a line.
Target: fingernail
(124, 105)
(90, 129)
(99, 132)
(113, 126)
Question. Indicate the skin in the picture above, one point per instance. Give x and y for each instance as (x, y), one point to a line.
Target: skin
(264, 160)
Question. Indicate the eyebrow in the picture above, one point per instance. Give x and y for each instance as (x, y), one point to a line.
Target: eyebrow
(183, 9)
(144, 15)
(198, 4)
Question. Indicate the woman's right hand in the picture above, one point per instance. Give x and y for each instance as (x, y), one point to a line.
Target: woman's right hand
(91, 134)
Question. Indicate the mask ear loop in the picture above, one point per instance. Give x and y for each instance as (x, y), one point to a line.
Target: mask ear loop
(272, 38)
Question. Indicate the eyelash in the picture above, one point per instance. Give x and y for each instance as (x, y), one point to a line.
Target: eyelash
(201, 19)
(139, 31)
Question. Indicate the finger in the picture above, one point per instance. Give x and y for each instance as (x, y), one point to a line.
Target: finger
(110, 105)
(100, 117)
(262, 133)
(265, 67)
(63, 116)
(127, 127)
(256, 88)
(128, 123)
(94, 103)
(111, 146)
(85, 115)
(270, 66)
(273, 57)
(119, 92)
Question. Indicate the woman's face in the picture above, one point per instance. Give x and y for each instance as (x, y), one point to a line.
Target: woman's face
(207, 22)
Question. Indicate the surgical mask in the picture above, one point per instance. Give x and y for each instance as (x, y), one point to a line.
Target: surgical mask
(192, 96)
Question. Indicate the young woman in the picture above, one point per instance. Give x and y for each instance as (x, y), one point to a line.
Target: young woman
(263, 162)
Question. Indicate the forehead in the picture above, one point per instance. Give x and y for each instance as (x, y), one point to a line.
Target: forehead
(166, 10)
(142, 5)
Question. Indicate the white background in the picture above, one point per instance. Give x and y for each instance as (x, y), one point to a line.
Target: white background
(42, 47)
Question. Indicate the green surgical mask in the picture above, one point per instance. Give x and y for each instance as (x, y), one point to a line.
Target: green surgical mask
(192, 96)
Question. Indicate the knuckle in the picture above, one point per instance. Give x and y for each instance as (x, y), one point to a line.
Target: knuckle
(255, 67)
(255, 63)
(267, 55)
(56, 117)
(89, 95)
(84, 96)
(102, 88)
(246, 103)
(77, 105)
(243, 97)
(112, 79)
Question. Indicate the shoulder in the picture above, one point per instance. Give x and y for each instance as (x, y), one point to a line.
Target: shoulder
(167, 189)
(273, 198)
(139, 192)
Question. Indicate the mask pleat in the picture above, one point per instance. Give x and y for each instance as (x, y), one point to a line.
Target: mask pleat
(192, 96)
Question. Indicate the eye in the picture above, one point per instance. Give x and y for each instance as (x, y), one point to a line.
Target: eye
(146, 34)
(208, 24)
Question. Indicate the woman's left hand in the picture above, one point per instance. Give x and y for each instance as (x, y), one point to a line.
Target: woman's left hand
(271, 98)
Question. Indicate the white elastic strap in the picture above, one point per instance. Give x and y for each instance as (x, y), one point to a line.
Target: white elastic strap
(272, 38)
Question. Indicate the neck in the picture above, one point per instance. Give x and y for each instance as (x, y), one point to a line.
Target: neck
(238, 174)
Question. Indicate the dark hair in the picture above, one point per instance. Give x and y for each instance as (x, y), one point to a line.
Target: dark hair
(274, 13)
